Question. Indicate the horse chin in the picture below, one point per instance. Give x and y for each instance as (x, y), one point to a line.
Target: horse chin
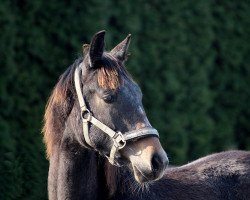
(142, 176)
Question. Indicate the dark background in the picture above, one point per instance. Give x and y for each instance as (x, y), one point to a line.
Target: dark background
(191, 59)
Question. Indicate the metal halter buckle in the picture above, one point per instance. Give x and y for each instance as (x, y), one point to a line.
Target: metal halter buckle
(119, 141)
(86, 115)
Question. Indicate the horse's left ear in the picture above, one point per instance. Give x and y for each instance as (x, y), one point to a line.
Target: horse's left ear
(121, 50)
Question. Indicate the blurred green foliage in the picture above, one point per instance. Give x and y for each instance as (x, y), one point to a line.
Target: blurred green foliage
(191, 59)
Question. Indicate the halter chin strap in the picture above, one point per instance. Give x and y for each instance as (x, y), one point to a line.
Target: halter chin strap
(119, 139)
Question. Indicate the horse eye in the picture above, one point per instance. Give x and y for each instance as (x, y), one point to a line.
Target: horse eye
(109, 98)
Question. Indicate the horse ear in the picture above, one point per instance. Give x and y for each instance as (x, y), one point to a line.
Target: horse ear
(85, 49)
(96, 48)
(121, 50)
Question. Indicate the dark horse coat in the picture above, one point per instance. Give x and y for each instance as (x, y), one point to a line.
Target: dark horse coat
(221, 176)
(81, 172)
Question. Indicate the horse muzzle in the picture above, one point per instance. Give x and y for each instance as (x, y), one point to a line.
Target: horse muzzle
(148, 160)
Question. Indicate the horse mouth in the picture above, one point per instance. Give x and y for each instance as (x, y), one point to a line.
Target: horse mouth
(142, 177)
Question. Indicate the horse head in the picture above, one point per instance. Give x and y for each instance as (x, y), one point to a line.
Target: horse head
(114, 100)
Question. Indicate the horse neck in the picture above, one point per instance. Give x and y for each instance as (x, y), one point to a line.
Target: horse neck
(97, 173)
(81, 170)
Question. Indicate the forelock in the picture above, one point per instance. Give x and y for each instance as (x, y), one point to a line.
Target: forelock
(109, 73)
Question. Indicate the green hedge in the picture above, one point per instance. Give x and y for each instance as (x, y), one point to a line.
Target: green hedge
(191, 59)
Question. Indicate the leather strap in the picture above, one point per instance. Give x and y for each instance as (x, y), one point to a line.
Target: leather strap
(82, 105)
(131, 135)
(119, 139)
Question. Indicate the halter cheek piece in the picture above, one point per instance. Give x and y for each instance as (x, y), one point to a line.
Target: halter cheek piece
(119, 139)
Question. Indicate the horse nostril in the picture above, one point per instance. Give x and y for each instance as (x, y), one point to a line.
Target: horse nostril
(159, 162)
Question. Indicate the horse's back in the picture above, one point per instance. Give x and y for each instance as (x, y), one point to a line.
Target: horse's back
(224, 175)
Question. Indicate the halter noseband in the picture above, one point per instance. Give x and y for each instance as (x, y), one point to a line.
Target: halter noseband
(119, 139)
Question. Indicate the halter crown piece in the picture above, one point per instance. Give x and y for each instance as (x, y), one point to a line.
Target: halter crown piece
(119, 139)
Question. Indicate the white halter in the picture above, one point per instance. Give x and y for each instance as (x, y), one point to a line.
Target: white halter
(119, 139)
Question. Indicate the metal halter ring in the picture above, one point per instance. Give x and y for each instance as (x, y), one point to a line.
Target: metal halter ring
(86, 115)
(119, 141)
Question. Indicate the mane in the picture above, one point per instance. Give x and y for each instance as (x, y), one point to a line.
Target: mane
(58, 108)
(62, 98)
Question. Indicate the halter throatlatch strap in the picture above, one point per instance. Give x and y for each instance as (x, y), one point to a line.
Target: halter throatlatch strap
(119, 139)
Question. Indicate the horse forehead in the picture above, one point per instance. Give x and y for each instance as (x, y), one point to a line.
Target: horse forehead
(130, 89)
(132, 96)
